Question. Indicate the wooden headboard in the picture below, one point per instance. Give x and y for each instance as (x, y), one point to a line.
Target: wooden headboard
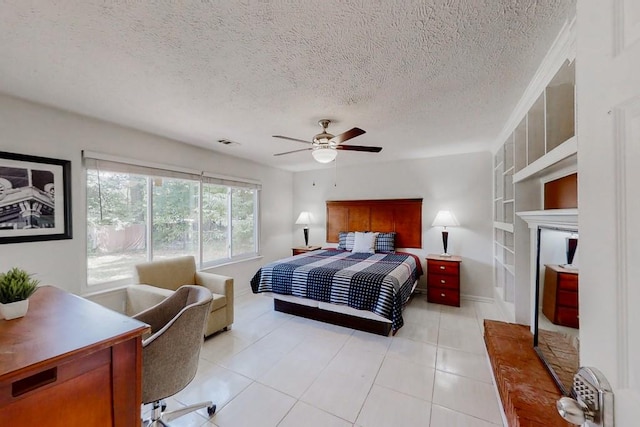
(404, 216)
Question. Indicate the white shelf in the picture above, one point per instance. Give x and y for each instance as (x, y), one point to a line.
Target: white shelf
(540, 146)
(503, 226)
(561, 152)
(510, 268)
(505, 247)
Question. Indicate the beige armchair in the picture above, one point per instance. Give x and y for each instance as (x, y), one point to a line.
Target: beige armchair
(174, 272)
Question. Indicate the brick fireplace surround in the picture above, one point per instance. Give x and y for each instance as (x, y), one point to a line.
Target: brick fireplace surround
(526, 388)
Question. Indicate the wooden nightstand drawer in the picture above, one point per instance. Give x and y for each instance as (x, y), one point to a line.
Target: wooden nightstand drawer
(443, 296)
(568, 282)
(568, 299)
(443, 281)
(443, 267)
(568, 317)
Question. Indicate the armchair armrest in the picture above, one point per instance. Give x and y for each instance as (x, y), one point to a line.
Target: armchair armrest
(220, 285)
(216, 283)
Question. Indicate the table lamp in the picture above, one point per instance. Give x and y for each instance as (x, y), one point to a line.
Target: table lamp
(445, 219)
(304, 219)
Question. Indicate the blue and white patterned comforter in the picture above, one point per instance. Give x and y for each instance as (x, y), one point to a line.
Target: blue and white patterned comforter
(379, 283)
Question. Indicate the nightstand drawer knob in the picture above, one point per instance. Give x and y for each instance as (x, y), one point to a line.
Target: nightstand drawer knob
(443, 281)
(442, 267)
(443, 295)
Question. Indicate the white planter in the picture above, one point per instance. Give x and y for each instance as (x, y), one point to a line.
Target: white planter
(14, 310)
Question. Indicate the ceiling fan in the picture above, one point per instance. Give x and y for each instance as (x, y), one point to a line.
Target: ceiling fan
(324, 145)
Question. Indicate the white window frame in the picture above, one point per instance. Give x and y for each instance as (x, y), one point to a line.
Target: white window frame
(91, 160)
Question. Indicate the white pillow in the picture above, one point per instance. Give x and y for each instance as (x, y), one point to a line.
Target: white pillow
(365, 242)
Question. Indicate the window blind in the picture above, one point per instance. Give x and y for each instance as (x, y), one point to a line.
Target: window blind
(104, 162)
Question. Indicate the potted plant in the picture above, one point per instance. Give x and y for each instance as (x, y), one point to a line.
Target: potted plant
(16, 286)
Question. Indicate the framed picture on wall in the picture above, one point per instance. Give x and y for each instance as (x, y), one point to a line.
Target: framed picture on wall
(35, 198)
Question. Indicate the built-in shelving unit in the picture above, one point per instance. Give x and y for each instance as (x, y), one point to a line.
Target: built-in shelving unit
(542, 144)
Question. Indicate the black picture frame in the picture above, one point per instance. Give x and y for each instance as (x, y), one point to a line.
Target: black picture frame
(32, 206)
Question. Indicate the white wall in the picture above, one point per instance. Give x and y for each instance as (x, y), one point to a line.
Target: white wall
(461, 183)
(32, 129)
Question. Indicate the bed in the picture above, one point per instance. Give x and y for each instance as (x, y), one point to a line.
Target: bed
(364, 290)
(380, 283)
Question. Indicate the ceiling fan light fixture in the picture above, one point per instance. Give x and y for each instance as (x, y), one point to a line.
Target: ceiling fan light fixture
(324, 145)
(324, 154)
(323, 139)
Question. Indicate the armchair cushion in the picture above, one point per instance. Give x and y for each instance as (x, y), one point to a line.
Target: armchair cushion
(219, 301)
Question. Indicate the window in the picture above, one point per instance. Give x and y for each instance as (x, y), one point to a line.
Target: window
(242, 220)
(175, 226)
(116, 224)
(139, 213)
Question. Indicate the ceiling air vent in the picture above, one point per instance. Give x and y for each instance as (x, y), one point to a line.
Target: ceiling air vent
(228, 142)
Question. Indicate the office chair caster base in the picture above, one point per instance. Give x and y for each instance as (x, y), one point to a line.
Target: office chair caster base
(211, 410)
(161, 418)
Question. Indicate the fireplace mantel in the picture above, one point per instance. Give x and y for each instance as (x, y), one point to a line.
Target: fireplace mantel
(561, 218)
(553, 218)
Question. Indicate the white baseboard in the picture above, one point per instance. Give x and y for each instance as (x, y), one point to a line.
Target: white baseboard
(462, 296)
(477, 298)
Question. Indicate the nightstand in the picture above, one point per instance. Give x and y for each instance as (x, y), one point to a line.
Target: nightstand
(304, 249)
(560, 296)
(443, 279)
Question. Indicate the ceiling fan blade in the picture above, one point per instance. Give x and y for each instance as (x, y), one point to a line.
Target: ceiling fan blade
(294, 151)
(359, 148)
(292, 139)
(339, 139)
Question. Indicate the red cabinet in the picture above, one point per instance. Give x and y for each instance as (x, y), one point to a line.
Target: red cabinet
(443, 279)
(560, 296)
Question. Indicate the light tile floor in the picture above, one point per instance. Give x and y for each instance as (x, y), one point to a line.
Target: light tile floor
(274, 369)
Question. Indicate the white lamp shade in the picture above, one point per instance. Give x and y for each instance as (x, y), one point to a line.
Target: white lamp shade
(445, 219)
(304, 218)
(324, 154)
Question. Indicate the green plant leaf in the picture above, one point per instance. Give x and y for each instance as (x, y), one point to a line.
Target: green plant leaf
(16, 285)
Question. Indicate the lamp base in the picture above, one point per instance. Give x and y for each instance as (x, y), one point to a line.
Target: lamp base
(445, 239)
(445, 255)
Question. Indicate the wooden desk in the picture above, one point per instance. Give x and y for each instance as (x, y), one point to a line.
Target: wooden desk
(70, 362)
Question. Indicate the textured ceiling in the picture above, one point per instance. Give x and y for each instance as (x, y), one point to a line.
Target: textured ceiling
(423, 78)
